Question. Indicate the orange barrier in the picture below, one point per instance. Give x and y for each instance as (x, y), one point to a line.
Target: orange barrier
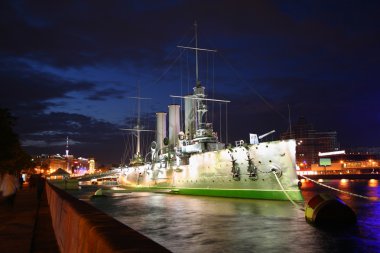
(79, 227)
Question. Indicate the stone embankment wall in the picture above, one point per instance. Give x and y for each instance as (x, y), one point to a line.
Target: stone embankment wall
(80, 227)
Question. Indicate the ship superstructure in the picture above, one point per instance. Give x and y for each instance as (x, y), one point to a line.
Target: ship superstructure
(193, 160)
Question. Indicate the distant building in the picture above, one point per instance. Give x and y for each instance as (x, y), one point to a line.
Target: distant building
(310, 142)
(83, 165)
(47, 164)
(348, 163)
(372, 151)
(57, 161)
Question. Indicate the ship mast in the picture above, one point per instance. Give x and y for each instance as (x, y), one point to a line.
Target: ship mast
(138, 128)
(199, 108)
(196, 48)
(196, 53)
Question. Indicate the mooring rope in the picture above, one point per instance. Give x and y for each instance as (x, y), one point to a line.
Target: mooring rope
(335, 189)
(286, 194)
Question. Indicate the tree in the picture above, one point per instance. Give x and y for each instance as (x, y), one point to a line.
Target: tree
(12, 156)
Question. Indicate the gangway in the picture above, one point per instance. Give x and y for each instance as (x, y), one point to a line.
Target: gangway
(97, 175)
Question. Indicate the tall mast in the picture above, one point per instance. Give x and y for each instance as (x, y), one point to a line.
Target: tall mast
(196, 52)
(290, 123)
(67, 146)
(198, 106)
(138, 128)
(138, 121)
(67, 154)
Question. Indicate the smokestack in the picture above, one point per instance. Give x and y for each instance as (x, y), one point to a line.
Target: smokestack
(161, 129)
(174, 126)
(189, 117)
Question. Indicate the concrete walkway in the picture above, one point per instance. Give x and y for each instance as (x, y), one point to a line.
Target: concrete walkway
(27, 227)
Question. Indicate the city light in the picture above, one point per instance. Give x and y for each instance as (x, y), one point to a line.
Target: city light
(342, 152)
(373, 183)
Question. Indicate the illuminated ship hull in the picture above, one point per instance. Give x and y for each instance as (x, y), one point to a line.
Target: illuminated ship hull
(261, 171)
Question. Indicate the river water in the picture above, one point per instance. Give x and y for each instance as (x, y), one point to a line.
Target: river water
(210, 224)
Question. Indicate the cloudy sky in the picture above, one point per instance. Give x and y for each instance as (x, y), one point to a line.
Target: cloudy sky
(70, 68)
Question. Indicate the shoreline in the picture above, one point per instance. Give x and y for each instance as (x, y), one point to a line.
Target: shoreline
(342, 176)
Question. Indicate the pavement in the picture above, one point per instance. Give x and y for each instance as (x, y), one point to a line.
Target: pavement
(26, 226)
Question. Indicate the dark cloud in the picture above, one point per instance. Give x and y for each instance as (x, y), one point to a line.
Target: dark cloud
(88, 137)
(59, 58)
(106, 94)
(25, 88)
(55, 32)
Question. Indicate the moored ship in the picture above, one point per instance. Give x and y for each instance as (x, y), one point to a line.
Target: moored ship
(193, 161)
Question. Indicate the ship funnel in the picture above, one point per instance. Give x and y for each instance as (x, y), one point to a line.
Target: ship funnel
(174, 127)
(189, 117)
(161, 129)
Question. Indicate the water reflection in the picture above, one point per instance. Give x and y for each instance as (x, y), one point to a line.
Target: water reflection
(343, 182)
(373, 183)
(203, 224)
(206, 224)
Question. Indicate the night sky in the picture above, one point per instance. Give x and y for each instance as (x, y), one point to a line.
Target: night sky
(69, 68)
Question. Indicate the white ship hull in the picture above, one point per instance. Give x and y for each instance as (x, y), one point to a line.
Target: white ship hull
(214, 174)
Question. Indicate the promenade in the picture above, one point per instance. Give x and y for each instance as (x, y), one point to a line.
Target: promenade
(27, 227)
